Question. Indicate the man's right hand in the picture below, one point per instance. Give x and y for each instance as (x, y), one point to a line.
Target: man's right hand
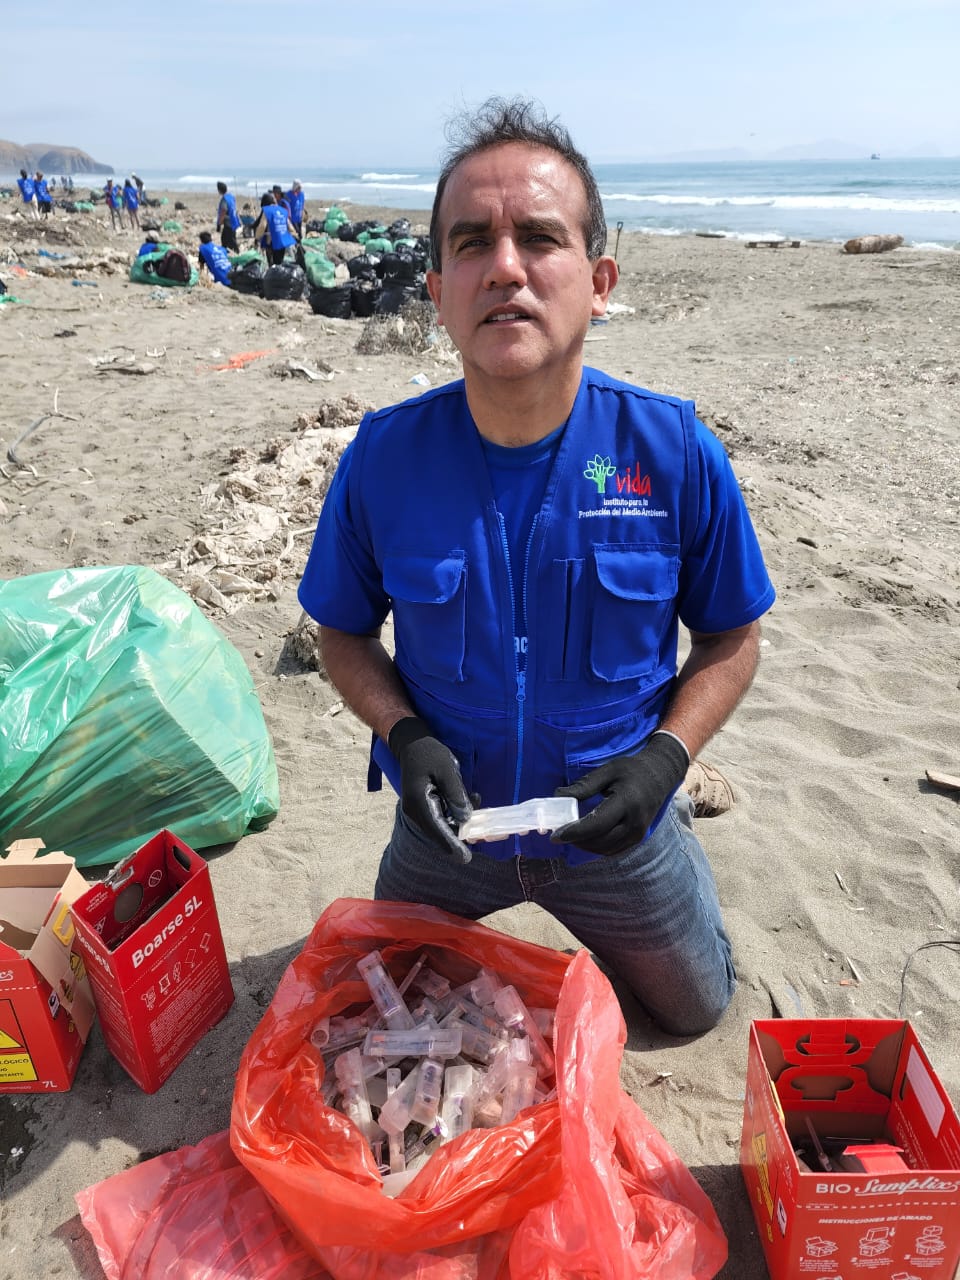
(432, 794)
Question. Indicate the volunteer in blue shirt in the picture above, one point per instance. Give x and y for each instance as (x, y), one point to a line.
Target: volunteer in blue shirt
(114, 200)
(131, 202)
(278, 230)
(215, 258)
(28, 192)
(228, 220)
(538, 531)
(296, 202)
(44, 198)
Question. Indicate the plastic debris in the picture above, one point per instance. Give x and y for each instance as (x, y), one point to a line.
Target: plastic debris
(426, 1062)
(543, 815)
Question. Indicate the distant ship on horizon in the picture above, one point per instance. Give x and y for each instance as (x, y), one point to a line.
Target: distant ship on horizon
(874, 155)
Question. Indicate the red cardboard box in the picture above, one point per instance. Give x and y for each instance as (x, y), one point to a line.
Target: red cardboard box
(46, 1005)
(151, 940)
(855, 1080)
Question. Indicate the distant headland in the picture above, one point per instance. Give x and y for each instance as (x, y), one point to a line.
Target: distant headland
(47, 158)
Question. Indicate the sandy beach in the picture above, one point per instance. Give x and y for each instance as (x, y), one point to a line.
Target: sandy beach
(833, 382)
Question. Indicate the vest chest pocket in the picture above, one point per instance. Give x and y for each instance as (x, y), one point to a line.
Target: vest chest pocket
(634, 609)
(429, 611)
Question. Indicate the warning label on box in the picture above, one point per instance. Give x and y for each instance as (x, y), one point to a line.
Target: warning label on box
(15, 1061)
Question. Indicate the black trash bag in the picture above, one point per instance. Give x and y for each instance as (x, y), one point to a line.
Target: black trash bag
(3, 288)
(316, 225)
(180, 205)
(395, 295)
(400, 265)
(399, 229)
(248, 278)
(346, 231)
(68, 206)
(150, 224)
(334, 302)
(364, 266)
(364, 295)
(285, 282)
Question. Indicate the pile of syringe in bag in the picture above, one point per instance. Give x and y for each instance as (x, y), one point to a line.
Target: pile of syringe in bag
(427, 1061)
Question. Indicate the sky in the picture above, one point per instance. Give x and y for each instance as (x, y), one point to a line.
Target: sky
(216, 85)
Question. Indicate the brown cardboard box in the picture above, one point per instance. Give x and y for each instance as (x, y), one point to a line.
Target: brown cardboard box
(46, 1005)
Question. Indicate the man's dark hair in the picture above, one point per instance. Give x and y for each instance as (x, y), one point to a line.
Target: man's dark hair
(205, 237)
(501, 120)
(222, 188)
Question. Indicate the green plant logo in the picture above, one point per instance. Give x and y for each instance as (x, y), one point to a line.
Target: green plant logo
(599, 471)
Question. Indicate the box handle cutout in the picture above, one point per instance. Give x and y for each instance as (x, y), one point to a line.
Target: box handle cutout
(181, 857)
(820, 1088)
(821, 1046)
(127, 903)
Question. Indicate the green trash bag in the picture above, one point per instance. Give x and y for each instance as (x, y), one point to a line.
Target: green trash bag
(171, 224)
(335, 218)
(124, 710)
(143, 270)
(317, 243)
(321, 272)
(84, 206)
(241, 259)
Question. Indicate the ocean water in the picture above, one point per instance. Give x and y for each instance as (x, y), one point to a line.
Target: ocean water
(805, 199)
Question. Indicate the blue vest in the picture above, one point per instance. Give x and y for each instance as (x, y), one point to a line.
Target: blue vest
(275, 216)
(218, 261)
(295, 199)
(641, 524)
(228, 206)
(26, 189)
(130, 198)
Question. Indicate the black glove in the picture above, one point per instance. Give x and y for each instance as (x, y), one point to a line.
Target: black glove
(431, 788)
(633, 787)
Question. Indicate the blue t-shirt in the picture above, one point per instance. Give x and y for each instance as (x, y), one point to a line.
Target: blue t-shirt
(26, 189)
(519, 479)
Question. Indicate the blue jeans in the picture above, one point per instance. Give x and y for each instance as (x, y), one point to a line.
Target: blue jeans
(651, 915)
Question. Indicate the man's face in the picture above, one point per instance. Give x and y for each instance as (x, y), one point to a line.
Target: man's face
(516, 290)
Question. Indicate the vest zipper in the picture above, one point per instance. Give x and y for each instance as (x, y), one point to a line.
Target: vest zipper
(518, 673)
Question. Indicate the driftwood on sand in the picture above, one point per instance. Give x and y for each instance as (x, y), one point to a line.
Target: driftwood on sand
(872, 244)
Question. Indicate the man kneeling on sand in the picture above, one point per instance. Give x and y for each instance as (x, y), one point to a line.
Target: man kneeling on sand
(539, 530)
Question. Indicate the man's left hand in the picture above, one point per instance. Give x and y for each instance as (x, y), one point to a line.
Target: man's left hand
(634, 789)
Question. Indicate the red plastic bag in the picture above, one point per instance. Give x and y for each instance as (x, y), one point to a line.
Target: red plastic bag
(582, 1186)
(193, 1214)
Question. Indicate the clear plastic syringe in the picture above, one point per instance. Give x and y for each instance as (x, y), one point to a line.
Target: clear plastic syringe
(384, 992)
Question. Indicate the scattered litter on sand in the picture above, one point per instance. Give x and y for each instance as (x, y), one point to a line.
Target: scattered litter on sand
(413, 331)
(260, 516)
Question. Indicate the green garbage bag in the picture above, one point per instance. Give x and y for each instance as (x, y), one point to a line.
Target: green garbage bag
(321, 272)
(124, 710)
(335, 218)
(143, 270)
(241, 259)
(172, 224)
(317, 243)
(84, 206)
